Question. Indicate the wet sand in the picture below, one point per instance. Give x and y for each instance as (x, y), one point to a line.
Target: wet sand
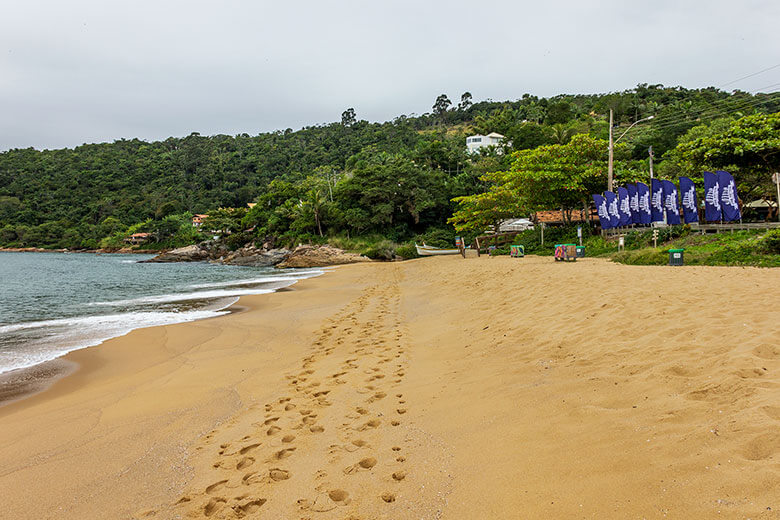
(435, 388)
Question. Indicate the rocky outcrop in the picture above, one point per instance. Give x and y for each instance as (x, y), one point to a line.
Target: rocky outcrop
(253, 256)
(320, 256)
(193, 253)
(256, 257)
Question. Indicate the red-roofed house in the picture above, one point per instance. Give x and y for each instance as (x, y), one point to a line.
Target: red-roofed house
(137, 238)
(553, 217)
(198, 218)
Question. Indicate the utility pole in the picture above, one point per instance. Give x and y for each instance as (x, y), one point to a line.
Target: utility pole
(776, 178)
(609, 164)
(650, 152)
(612, 144)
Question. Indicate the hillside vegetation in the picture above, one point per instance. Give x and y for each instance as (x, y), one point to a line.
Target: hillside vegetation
(394, 180)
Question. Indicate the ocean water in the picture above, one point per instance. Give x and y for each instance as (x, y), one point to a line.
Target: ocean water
(54, 303)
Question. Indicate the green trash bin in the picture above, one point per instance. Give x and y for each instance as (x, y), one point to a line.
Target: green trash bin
(676, 257)
(580, 251)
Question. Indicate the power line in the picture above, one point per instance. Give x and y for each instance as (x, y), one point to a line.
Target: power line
(750, 75)
(714, 105)
(714, 108)
(712, 111)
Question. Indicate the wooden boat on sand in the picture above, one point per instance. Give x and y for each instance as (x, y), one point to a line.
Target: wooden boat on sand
(424, 250)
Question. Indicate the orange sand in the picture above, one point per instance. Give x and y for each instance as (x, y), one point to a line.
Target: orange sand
(437, 388)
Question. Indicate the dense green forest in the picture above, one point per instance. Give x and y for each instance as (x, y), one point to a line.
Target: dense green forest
(354, 178)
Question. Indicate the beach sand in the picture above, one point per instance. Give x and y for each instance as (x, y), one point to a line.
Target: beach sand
(485, 388)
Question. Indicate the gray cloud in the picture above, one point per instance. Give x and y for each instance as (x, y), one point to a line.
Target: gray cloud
(90, 71)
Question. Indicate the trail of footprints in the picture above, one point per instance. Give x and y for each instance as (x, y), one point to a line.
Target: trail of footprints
(343, 405)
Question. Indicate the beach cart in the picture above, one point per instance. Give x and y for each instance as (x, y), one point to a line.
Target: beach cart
(516, 251)
(565, 252)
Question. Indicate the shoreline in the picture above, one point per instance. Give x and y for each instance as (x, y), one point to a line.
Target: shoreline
(405, 390)
(22, 383)
(87, 251)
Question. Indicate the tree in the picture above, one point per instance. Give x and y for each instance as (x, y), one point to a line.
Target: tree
(465, 101)
(394, 193)
(749, 148)
(312, 207)
(225, 220)
(348, 117)
(441, 105)
(561, 134)
(563, 176)
(477, 213)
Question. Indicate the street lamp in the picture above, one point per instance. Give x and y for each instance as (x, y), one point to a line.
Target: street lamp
(612, 144)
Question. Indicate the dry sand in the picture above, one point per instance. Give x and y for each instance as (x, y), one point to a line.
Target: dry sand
(436, 388)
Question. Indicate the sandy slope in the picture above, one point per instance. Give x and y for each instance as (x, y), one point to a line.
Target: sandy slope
(437, 388)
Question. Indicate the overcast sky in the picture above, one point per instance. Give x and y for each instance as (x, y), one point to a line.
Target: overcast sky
(79, 71)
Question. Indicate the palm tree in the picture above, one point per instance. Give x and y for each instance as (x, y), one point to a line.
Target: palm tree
(561, 134)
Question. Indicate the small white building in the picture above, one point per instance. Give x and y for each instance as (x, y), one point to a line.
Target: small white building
(515, 224)
(475, 142)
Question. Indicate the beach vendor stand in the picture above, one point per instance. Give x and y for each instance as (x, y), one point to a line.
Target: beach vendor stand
(516, 251)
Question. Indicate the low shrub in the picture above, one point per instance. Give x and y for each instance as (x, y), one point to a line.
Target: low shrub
(444, 238)
(383, 250)
(406, 251)
(647, 256)
(770, 243)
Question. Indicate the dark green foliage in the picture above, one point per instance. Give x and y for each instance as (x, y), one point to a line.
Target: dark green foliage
(407, 251)
(770, 243)
(438, 237)
(349, 177)
(738, 248)
(384, 250)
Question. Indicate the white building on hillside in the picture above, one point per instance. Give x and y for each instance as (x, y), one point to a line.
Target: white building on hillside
(475, 142)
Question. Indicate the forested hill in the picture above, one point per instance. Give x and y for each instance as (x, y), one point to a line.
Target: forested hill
(76, 197)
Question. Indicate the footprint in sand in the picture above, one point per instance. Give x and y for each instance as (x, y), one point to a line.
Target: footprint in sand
(249, 506)
(251, 478)
(247, 449)
(767, 351)
(213, 488)
(388, 497)
(373, 423)
(245, 462)
(364, 464)
(213, 505)
(283, 454)
(277, 474)
(762, 447)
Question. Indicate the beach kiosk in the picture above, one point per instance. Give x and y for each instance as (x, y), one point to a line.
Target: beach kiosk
(516, 251)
